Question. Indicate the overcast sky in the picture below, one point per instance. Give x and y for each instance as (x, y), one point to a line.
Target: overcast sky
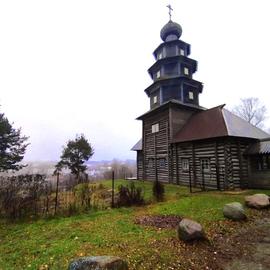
(71, 67)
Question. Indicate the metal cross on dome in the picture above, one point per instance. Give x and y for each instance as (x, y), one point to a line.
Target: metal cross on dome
(170, 11)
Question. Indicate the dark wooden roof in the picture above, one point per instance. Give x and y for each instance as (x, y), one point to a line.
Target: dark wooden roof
(173, 59)
(172, 102)
(172, 81)
(178, 42)
(260, 147)
(217, 122)
(137, 146)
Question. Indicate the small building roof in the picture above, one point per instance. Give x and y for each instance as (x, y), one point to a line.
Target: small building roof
(137, 146)
(217, 122)
(261, 147)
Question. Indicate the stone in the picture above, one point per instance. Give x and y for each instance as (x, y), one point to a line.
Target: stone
(98, 263)
(189, 230)
(234, 211)
(258, 201)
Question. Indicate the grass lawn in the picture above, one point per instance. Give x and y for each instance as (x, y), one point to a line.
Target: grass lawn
(52, 243)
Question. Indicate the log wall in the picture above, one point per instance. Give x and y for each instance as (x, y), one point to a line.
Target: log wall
(139, 165)
(228, 167)
(156, 147)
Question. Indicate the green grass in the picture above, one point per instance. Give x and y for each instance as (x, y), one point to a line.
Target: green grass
(52, 243)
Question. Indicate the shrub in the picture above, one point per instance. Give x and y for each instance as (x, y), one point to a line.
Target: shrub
(72, 209)
(130, 195)
(83, 195)
(158, 191)
(20, 195)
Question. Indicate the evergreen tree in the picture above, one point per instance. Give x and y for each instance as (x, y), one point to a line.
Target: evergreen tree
(75, 154)
(12, 146)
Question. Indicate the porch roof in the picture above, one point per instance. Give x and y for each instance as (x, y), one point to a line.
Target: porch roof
(137, 146)
(260, 147)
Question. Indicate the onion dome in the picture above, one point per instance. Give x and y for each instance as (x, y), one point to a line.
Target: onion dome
(171, 31)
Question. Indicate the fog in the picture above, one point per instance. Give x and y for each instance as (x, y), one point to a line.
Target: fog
(71, 67)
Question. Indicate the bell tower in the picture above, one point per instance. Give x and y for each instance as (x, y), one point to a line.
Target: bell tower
(174, 98)
(172, 73)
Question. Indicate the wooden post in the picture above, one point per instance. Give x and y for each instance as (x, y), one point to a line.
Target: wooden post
(194, 166)
(155, 146)
(203, 178)
(242, 184)
(217, 166)
(143, 153)
(56, 193)
(112, 189)
(189, 173)
(177, 165)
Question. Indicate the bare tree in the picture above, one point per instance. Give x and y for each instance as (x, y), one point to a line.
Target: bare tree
(252, 110)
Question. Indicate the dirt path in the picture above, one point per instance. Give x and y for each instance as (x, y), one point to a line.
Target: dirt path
(256, 244)
(230, 245)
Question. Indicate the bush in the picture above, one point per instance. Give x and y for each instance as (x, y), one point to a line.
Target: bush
(130, 195)
(20, 195)
(158, 191)
(83, 194)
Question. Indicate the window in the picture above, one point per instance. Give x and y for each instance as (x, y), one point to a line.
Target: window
(160, 55)
(186, 71)
(155, 99)
(155, 128)
(162, 162)
(263, 163)
(150, 163)
(185, 164)
(182, 52)
(205, 164)
(190, 95)
(158, 74)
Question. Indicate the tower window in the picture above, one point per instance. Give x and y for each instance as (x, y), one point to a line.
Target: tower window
(182, 52)
(158, 74)
(160, 55)
(186, 71)
(190, 95)
(155, 99)
(155, 128)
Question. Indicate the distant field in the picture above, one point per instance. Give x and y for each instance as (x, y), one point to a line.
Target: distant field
(52, 243)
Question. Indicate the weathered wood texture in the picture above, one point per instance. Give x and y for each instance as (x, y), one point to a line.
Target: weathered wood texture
(259, 178)
(155, 151)
(228, 165)
(228, 168)
(160, 159)
(139, 165)
(178, 118)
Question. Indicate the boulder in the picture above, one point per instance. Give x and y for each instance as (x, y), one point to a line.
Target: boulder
(189, 230)
(257, 201)
(234, 211)
(98, 263)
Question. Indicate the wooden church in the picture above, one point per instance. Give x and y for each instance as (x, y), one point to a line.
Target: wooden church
(187, 144)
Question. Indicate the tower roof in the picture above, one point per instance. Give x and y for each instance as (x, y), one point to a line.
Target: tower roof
(171, 29)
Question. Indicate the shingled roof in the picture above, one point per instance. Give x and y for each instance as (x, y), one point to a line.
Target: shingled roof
(217, 122)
